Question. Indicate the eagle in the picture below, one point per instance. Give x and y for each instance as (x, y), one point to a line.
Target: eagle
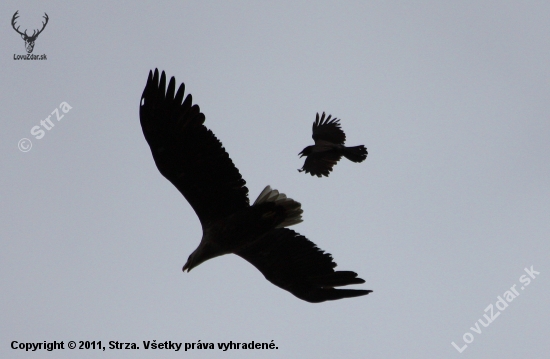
(191, 157)
(328, 148)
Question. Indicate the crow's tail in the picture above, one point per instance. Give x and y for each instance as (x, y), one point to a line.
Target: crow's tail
(355, 154)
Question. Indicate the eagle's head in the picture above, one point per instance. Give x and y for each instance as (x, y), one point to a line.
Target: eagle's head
(205, 251)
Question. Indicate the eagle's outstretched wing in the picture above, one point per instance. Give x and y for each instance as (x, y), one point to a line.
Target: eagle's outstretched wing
(187, 153)
(325, 129)
(292, 262)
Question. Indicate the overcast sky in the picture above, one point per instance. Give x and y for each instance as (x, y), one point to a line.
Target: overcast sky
(451, 98)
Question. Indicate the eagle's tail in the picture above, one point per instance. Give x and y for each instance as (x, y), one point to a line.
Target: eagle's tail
(292, 209)
(355, 154)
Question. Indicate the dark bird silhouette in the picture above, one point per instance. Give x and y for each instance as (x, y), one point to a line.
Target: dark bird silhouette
(328, 148)
(193, 159)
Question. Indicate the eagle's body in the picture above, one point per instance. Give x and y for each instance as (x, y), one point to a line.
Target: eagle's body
(194, 161)
(328, 148)
(238, 230)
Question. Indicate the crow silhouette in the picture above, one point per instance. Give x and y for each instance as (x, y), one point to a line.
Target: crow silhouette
(194, 161)
(328, 148)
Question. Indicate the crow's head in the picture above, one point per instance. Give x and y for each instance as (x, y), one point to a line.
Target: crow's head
(306, 151)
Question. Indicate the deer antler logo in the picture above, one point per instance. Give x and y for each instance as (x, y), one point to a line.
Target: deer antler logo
(29, 40)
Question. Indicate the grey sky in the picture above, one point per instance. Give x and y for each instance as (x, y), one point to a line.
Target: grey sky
(452, 203)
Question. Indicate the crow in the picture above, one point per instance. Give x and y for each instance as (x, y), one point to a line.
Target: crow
(328, 148)
(191, 157)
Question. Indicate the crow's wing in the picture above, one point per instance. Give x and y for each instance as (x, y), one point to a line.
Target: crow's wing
(292, 262)
(325, 129)
(187, 153)
(321, 163)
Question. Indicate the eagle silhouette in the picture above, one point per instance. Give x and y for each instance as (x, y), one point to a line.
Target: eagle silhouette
(195, 162)
(328, 148)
